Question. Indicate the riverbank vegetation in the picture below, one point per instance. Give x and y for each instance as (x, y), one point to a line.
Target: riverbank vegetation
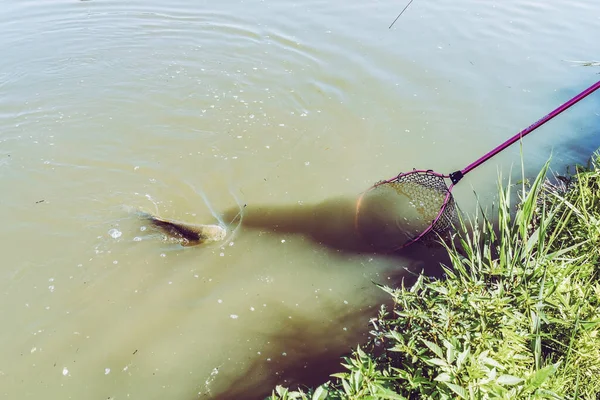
(516, 316)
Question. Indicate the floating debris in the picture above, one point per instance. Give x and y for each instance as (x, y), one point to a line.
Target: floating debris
(115, 233)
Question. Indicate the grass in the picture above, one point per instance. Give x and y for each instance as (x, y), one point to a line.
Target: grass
(517, 315)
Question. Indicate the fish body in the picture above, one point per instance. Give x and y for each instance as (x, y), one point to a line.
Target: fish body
(187, 234)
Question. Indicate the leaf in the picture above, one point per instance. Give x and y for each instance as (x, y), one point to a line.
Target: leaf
(347, 388)
(459, 390)
(450, 352)
(437, 361)
(340, 375)
(443, 377)
(589, 325)
(389, 394)
(434, 347)
(440, 289)
(357, 377)
(320, 394)
(492, 362)
(508, 380)
(541, 375)
(281, 391)
(417, 285)
(550, 394)
(462, 356)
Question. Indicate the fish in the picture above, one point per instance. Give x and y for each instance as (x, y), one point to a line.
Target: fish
(187, 234)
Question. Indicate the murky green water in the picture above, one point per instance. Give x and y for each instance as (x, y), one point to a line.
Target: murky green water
(190, 108)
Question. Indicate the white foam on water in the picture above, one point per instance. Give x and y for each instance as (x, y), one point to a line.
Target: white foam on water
(115, 233)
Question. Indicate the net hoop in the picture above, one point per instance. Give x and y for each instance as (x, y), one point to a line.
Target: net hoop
(448, 201)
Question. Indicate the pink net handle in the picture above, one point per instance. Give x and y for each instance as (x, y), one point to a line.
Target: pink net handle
(457, 176)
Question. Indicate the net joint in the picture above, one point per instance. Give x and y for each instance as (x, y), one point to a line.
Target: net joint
(455, 177)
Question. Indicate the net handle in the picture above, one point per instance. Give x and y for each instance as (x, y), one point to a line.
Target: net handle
(456, 176)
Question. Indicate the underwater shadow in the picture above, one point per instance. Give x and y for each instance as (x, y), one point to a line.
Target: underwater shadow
(314, 348)
(306, 364)
(312, 353)
(334, 223)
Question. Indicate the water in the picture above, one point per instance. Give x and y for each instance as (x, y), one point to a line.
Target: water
(190, 108)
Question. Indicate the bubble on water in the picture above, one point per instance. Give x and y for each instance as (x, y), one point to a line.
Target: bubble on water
(233, 316)
(222, 254)
(106, 371)
(115, 233)
(143, 228)
(65, 371)
(282, 240)
(51, 288)
(163, 255)
(115, 262)
(251, 308)
(137, 239)
(219, 301)
(284, 354)
(307, 163)
(345, 301)
(33, 350)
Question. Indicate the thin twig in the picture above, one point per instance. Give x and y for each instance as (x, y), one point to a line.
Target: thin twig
(402, 12)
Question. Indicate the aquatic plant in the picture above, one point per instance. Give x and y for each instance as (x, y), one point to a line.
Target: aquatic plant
(517, 314)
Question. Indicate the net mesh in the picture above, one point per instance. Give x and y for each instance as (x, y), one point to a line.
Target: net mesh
(427, 193)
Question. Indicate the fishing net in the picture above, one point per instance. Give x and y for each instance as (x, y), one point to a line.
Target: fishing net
(418, 205)
(413, 206)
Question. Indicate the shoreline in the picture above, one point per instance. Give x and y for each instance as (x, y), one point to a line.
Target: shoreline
(516, 315)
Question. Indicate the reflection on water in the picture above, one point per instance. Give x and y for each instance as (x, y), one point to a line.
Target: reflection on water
(190, 110)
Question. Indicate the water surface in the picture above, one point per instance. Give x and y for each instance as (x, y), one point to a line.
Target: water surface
(190, 108)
